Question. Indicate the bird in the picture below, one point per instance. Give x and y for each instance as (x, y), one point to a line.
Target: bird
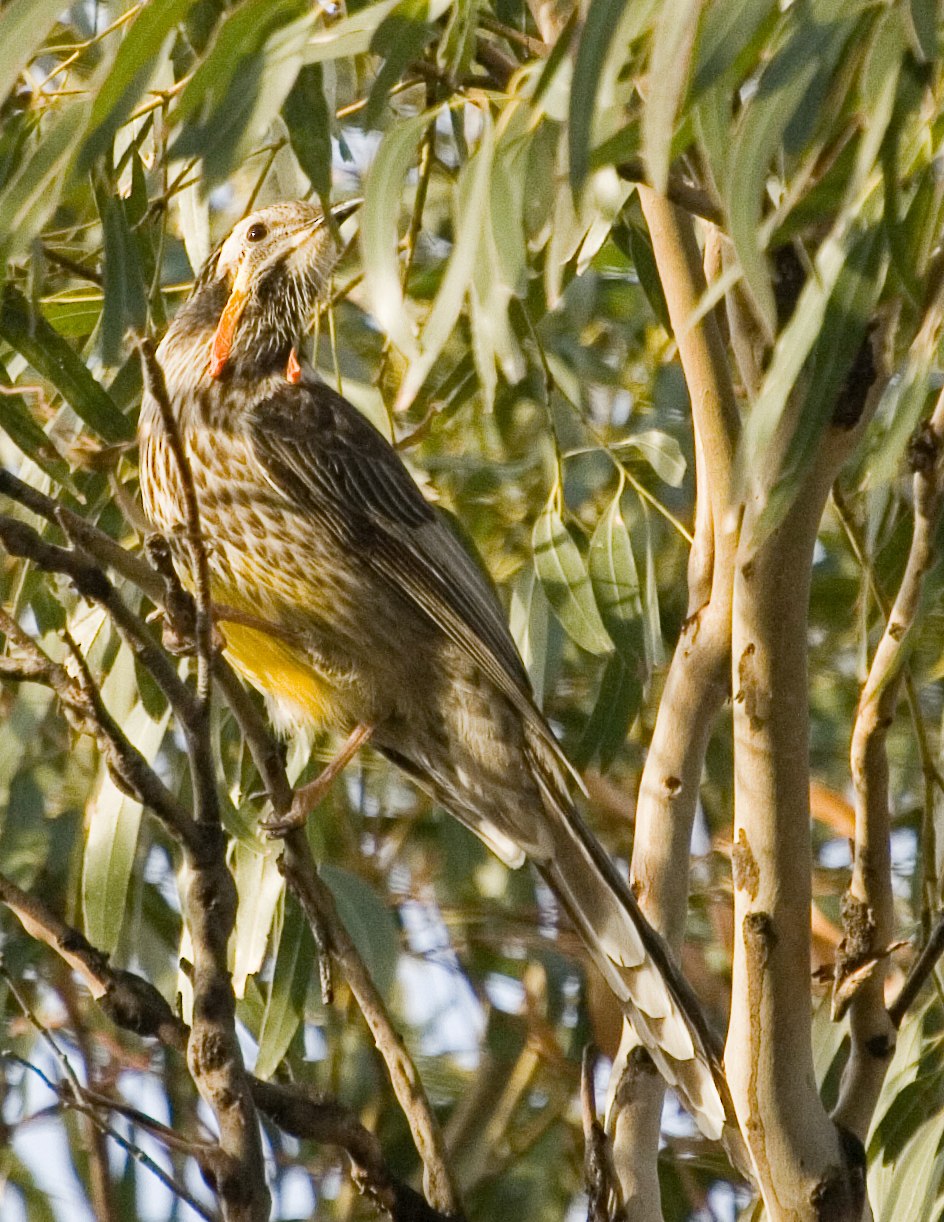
(344, 596)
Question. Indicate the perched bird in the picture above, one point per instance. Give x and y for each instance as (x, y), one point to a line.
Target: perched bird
(345, 598)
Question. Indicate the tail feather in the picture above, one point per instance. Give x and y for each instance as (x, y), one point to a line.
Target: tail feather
(639, 968)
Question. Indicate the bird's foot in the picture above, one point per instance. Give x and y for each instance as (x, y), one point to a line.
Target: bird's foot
(308, 797)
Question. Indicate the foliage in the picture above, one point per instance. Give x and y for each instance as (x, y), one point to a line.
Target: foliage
(501, 319)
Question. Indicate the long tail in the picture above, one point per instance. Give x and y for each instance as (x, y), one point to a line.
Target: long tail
(639, 968)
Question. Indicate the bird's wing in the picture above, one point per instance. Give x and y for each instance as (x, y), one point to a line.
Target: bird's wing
(319, 450)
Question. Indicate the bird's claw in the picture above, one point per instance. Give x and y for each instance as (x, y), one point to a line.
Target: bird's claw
(277, 827)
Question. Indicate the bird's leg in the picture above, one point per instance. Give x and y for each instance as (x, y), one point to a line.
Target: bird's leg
(308, 796)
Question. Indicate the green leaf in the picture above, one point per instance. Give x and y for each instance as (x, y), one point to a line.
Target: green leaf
(672, 45)
(125, 293)
(23, 26)
(727, 31)
(456, 48)
(615, 580)
(660, 450)
(400, 38)
(120, 83)
(830, 323)
(923, 18)
(471, 210)
(24, 829)
(528, 620)
(291, 976)
(114, 819)
(616, 707)
(30, 197)
(369, 922)
(309, 126)
(652, 619)
(563, 574)
(596, 45)
(352, 34)
(804, 62)
(54, 359)
(379, 235)
(17, 422)
(635, 243)
(241, 83)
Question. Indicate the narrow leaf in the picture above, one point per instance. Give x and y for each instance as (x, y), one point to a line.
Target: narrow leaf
(114, 818)
(52, 357)
(125, 292)
(369, 922)
(615, 581)
(379, 235)
(563, 574)
(468, 224)
(291, 976)
(258, 885)
(23, 26)
(305, 111)
(17, 422)
(616, 707)
(669, 62)
(661, 451)
(120, 83)
(596, 45)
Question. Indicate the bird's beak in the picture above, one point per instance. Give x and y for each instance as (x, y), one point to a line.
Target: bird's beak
(340, 212)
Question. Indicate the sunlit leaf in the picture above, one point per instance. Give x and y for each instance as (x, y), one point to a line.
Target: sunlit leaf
(379, 235)
(114, 818)
(673, 40)
(258, 885)
(660, 450)
(120, 83)
(470, 210)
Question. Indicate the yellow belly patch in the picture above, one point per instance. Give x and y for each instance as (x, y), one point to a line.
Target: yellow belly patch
(278, 670)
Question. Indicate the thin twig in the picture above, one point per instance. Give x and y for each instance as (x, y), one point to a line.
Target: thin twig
(868, 911)
(135, 1005)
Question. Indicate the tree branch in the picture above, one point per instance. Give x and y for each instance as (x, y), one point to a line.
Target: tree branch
(696, 685)
(133, 1004)
(317, 902)
(868, 907)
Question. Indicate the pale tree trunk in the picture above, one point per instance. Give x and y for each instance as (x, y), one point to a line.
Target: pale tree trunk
(807, 1168)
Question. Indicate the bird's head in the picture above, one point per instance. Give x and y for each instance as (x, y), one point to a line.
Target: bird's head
(260, 288)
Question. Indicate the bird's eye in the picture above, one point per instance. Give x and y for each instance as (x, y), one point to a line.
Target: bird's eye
(256, 232)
